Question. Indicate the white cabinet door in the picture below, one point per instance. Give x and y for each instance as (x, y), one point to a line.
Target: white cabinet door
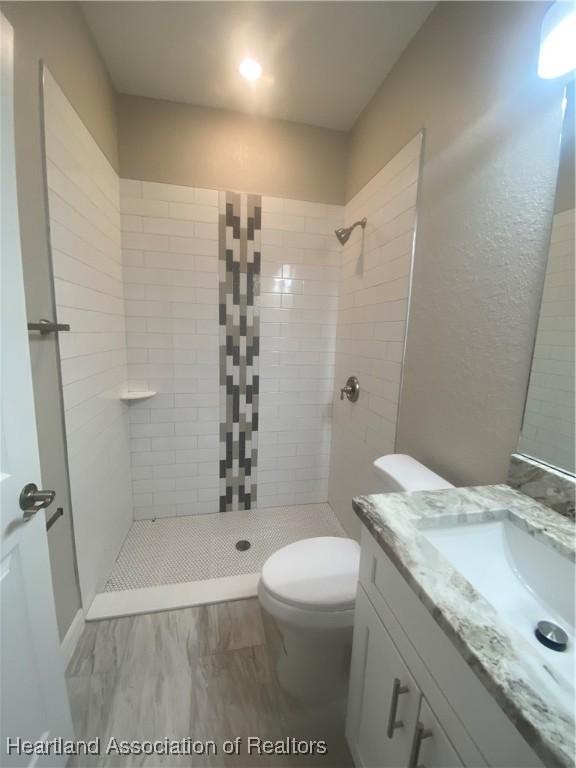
(431, 747)
(34, 702)
(384, 700)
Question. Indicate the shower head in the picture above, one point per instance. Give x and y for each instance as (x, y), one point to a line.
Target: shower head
(343, 233)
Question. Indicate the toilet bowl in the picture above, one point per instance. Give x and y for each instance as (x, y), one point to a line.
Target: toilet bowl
(309, 589)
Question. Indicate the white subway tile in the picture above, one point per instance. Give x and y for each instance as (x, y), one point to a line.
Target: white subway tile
(194, 212)
(282, 221)
(140, 207)
(145, 242)
(172, 227)
(206, 196)
(168, 192)
(198, 246)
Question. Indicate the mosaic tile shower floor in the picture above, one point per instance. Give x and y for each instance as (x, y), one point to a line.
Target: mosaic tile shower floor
(172, 550)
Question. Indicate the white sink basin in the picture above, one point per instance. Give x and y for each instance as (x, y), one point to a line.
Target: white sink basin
(525, 580)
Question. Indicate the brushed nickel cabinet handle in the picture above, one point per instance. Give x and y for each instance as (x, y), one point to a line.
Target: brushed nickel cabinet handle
(397, 690)
(420, 734)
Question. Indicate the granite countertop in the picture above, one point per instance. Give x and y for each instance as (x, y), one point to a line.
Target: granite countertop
(510, 669)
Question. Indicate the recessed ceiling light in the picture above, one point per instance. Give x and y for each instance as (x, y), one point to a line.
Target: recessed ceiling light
(250, 69)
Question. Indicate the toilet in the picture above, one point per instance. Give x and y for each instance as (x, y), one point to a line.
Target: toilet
(309, 589)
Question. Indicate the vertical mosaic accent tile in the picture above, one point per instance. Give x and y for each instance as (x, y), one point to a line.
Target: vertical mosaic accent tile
(239, 275)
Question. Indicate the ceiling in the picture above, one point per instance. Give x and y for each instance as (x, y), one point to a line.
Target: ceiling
(322, 60)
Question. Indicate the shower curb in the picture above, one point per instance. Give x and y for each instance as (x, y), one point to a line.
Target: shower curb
(169, 597)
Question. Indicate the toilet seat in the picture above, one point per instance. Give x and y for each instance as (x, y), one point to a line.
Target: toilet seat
(313, 575)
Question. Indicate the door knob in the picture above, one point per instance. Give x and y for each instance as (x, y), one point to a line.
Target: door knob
(32, 500)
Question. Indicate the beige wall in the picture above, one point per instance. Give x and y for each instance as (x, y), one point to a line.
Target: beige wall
(199, 147)
(486, 200)
(56, 33)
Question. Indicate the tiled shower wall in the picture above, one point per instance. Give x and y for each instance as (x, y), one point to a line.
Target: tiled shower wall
(299, 296)
(548, 428)
(170, 247)
(141, 296)
(372, 314)
(160, 308)
(84, 213)
(170, 256)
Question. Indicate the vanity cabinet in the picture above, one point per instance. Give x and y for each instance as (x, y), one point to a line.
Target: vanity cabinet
(432, 747)
(386, 702)
(413, 700)
(390, 724)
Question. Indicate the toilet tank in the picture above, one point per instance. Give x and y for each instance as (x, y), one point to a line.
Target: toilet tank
(398, 472)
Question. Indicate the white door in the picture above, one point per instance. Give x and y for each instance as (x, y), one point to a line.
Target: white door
(34, 702)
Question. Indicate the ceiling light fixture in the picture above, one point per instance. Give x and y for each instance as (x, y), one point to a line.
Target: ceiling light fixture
(557, 49)
(250, 69)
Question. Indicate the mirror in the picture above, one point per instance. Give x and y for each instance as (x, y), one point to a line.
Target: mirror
(548, 425)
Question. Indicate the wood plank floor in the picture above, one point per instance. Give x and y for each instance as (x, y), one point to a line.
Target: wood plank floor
(205, 673)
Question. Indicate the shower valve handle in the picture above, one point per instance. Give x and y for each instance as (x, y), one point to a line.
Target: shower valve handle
(351, 389)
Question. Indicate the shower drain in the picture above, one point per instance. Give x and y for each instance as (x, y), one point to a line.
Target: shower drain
(242, 545)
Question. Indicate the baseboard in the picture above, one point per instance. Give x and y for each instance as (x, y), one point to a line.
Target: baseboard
(167, 597)
(70, 641)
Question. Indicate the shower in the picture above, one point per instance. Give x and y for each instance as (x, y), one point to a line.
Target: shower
(343, 233)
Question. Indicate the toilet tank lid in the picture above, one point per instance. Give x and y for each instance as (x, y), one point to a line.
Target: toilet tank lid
(408, 474)
(319, 573)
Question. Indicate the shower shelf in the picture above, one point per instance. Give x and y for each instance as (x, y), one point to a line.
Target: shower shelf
(131, 397)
